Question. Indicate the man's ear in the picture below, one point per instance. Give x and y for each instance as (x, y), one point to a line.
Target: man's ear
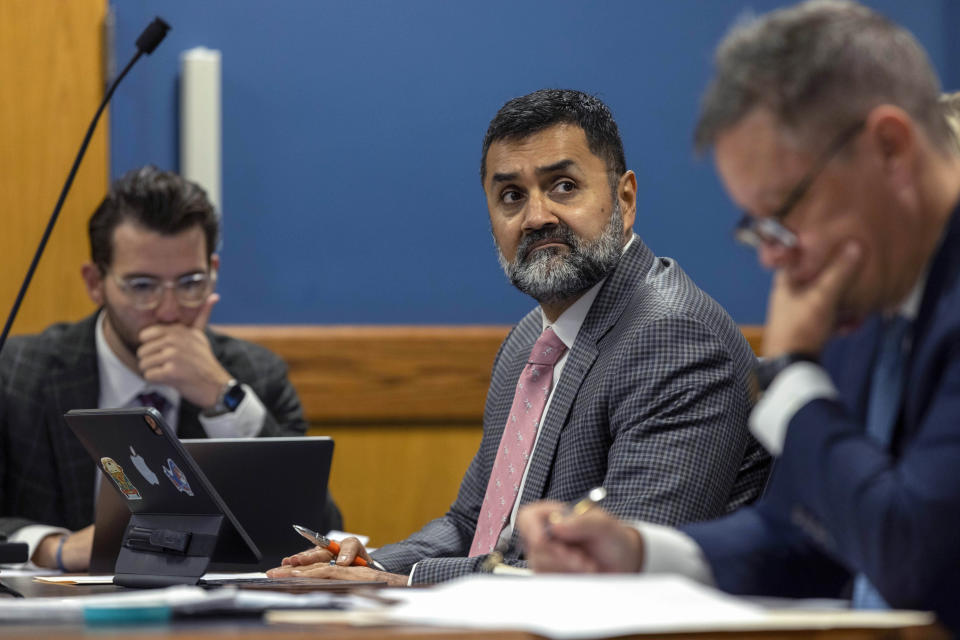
(892, 134)
(215, 262)
(93, 279)
(627, 194)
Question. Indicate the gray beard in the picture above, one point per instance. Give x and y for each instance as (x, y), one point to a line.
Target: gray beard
(555, 274)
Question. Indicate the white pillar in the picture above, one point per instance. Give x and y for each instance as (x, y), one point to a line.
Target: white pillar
(200, 126)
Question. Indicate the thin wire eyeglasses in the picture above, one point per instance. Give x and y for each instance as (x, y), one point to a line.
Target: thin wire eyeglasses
(146, 292)
(769, 230)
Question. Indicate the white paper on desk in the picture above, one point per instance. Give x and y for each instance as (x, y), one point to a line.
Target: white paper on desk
(108, 579)
(20, 573)
(577, 606)
(71, 580)
(603, 606)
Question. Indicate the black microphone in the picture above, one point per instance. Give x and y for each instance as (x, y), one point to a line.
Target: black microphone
(146, 43)
(153, 35)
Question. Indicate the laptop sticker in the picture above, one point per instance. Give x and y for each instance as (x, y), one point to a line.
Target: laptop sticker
(179, 480)
(142, 467)
(120, 479)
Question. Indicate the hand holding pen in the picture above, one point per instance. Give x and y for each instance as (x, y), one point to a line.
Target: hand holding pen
(351, 554)
(592, 499)
(578, 539)
(494, 561)
(347, 560)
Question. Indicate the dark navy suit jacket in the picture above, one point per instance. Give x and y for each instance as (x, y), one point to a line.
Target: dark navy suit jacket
(838, 504)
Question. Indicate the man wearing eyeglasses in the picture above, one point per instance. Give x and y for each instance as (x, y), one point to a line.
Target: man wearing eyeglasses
(152, 273)
(827, 131)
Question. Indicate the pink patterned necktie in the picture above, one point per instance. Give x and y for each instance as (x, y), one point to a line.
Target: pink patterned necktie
(533, 389)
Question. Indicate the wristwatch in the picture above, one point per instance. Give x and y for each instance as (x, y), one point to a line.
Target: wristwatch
(229, 399)
(769, 368)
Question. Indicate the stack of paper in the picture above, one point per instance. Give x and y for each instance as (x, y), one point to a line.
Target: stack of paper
(575, 606)
(613, 605)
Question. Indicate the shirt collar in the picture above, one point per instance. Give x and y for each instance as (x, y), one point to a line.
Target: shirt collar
(567, 326)
(910, 307)
(119, 385)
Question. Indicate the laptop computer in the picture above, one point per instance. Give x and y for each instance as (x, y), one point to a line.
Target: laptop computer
(268, 483)
(178, 521)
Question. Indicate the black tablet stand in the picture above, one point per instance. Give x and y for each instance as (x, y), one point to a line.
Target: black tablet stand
(160, 550)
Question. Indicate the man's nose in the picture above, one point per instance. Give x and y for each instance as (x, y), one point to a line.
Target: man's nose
(169, 308)
(538, 213)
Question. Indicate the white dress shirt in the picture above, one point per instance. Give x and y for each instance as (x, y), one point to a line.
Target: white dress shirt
(119, 388)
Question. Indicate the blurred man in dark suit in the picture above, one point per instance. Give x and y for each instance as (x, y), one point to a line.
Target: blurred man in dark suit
(828, 133)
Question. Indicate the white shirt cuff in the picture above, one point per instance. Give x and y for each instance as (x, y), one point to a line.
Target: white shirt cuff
(667, 550)
(245, 422)
(410, 579)
(796, 385)
(32, 534)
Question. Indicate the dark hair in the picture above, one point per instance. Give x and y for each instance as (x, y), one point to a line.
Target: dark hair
(534, 112)
(160, 201)
(819, 67)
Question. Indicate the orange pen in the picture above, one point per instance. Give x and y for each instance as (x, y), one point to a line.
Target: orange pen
(323, 541)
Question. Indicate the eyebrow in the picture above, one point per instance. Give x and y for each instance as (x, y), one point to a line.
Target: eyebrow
(153, 276)
(556, 166)
(551, 168)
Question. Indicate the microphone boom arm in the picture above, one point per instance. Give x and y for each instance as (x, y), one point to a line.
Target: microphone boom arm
(146, 43)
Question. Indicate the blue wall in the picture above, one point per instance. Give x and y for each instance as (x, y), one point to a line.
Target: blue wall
(352, 130)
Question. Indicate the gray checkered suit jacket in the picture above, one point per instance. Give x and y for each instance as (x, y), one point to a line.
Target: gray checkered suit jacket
(652, 404)
(46, 476)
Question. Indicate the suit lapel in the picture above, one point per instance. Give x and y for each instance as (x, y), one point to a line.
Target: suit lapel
(74, 384)
(604, 313)
(939, 292)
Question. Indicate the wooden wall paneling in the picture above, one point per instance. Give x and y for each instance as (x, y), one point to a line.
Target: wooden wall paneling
(51, 70)
(392, 374)
(754, 335)
(390, 480)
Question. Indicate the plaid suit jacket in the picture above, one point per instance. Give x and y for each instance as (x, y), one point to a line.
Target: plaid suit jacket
(652, 404)
(46, 476)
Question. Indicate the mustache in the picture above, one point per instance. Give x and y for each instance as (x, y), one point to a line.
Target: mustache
(560, 233)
